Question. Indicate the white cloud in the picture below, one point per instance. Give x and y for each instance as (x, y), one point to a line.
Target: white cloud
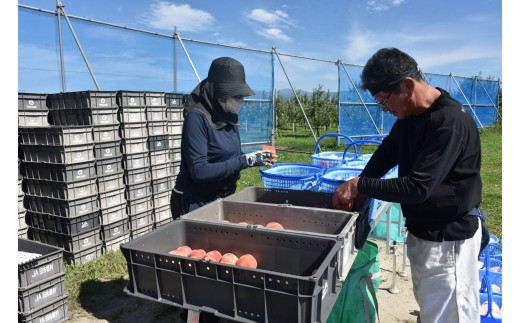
(383, 5)
(431, 60)
(270, 19)
(166, 16)
(273, 33)
(360, 46)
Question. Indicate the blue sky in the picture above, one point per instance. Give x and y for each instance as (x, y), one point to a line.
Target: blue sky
(459, 37)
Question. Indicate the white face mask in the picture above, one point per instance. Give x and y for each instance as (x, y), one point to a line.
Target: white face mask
(232, 105)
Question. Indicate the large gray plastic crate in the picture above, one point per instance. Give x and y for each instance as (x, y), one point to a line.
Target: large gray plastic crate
(175, 127)
(284, 197)
(59, 207)
(156, 143)
(114, 244)
(139, 206)
(112, 198)
(69, 243)
(113, 214)
(138, 191)
(282, 289)
(162, 185)
(32, 101)
(61, 190)
(37, 118)
(313, 221)
(175, 114)
(154, 99)
(130, 98)
(71, 226)
(159, 157)
(137, 176)
(56, 135)
(84, 256)
(157, 128)
(107, 150)
(132, 114)
(110, 182)
(55, 312)
(162, 213)
(58, 154)
(161, 171)
(83, 100)
(173, 100)
(156, 113)
(115, 230)
(141, 220)
(59, 172)
(175, 155)
(109, 167)
(136, 161)
(44, 293)
(49, 264)
(161, 199)
(175, 141)
(133, 130)
(134, 146)
(106, 133)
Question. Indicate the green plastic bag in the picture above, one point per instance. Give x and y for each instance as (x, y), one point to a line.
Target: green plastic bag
(355, 301)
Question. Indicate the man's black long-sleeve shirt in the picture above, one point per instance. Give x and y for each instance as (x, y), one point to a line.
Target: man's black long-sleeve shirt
(439, 157)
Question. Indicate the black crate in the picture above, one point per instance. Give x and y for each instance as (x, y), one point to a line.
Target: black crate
(160, 223)
(173, 100)
(104, 117)
(106, 133)
(282, 289)
(70, 226)
(34, 271)
(132, 114)
(156, 114)
(113, 214)
(161, 199)
(96, 99)
(38, 118)
(58, 154)
(134, 146)
(159, 157)
(175, 141)
(175, 127)
(110, 182)
(157, 128)
(44, 293)
(139, 206)
(138, 191)
(56, 136)
(59, 207)
(162, 213)
(133, 130)
(154, 99)
(61, 190)
(69, 243)
(114, 245)
(175, 114)
(84, 256)
(141, 220)
(160, 171)
(130, 99)
(112, 198)
(69, 173)
(175, 155)
(32, 101)
(57, 311)
(115, 230)
(107, 150)
(156, 143)
(135, 161)
(108, 167)
(70, 117)
(137, 176)
(162, 185)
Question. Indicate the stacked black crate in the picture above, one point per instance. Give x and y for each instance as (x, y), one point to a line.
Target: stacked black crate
(109, 167)
(160, 158)
(61, 195)
(22, 225)
(174, 104)
(42, 294)
(136, 162)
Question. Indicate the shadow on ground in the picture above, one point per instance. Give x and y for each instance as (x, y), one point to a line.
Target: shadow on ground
(105, 301)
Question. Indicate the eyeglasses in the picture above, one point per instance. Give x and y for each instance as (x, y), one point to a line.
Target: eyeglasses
(382, 103)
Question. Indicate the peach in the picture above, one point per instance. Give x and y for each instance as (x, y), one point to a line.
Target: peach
(173, 252)
(247, 260)
(244, 223)
(271, 148)
(274, 225)
(213, 255)
(184, 251)
(229, 258)
(197, 253)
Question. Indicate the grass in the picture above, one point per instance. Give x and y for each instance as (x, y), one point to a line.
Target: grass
(84, 282)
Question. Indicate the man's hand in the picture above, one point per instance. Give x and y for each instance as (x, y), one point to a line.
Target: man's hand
(347, 197)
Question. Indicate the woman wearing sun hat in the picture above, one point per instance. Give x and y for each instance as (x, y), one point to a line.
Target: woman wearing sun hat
(211, 155)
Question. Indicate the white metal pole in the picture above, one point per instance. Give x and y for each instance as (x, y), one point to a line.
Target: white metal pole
(60, 40)
(187, 55)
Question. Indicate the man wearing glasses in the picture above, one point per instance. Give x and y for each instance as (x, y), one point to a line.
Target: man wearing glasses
(436, 144)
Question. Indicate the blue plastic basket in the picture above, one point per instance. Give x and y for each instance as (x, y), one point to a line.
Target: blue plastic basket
(486, 295)
(494, 250)
(331, 158)
(335, 176)
(493, 239)
(292, 176)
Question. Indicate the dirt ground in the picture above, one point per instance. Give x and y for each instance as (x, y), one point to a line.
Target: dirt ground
(113, 306)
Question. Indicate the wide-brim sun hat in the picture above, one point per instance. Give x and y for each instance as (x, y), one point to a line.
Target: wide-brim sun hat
(228, 78)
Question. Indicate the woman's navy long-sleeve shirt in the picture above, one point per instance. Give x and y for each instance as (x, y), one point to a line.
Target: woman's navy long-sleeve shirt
(439, 158)
(211, 158)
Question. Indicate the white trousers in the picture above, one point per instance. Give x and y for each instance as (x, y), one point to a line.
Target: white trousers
(445, 279)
